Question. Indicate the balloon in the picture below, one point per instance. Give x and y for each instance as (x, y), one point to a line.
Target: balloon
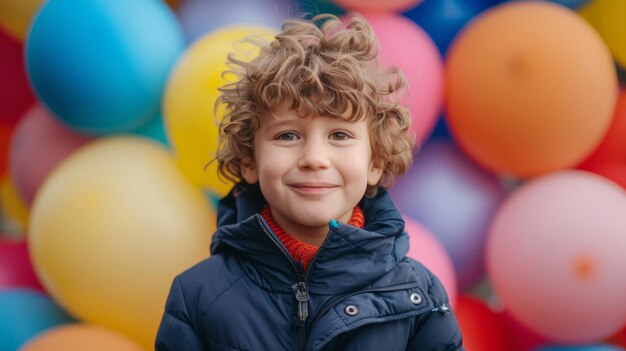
(611, 170)
(25, 313)
(369, 6)
(427, 249)
(443, 185)
(173, 3)
(16, 95)
(126, 221)
(5, 140)
(79, 337)
(154, 129)
(190, 123)
(555, 256)
(15, 16)
(39, 143)
(317, 7)
(199, 17)
(405, 45)
(607, 17)
(573, 4)
(517, 109)
(482, 329)
(16, 269)
(14, 209)
(100, 66)
(604, 347)
(612, 149)
(524, 339)
(442, 19)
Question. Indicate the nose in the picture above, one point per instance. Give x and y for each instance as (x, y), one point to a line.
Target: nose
(314, 155)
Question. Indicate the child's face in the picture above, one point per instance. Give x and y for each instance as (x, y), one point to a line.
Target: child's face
(313, 169)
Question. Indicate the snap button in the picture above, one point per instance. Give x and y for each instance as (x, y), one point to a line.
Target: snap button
(351, 310)
(416, 298)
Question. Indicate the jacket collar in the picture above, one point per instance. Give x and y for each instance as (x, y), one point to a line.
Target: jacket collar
(350, 258)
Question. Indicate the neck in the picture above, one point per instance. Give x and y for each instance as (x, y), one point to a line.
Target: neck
(312, 235)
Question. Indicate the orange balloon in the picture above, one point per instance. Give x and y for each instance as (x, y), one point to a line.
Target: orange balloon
(525, 97)
(79, 337)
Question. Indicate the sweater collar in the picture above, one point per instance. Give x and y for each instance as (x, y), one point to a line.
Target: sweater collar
(350, 257)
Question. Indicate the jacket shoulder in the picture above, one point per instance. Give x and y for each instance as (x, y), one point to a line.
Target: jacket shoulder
(206, 281)
(429, 282)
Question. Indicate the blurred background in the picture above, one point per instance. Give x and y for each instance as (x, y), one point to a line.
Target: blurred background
(515, 200)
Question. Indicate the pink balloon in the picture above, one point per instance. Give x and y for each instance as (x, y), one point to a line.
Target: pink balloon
(405, 45)
(16, 269)
(426, 249)
(39, 143)
(555, 256)
(377, 5)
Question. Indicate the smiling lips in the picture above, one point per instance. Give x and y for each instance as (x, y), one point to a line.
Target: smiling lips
(313, 188)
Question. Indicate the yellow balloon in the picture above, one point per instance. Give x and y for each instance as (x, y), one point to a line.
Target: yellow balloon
(80, 337)
(14, 210)
(16, 15)
(110, 228)
(190, 96)
(609, 19)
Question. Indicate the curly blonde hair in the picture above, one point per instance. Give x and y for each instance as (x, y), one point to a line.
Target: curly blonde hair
(317, 67)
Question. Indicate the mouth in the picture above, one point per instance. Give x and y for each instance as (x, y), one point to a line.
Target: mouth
(313, 188)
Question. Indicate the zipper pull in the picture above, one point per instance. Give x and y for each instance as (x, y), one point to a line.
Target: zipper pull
(302, 296)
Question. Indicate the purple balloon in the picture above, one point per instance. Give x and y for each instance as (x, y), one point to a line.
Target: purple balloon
(40, 142)
(198, 17)
(455, 199)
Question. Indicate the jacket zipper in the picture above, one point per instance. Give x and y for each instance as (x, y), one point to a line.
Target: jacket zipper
(301, 289)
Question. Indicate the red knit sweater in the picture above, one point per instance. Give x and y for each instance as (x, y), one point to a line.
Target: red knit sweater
(300, 250)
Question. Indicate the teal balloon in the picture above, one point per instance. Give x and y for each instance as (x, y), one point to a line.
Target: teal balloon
(154, 130)
(25, 313)
(101, 65)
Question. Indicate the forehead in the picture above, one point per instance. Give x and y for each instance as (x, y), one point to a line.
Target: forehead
(283, 113)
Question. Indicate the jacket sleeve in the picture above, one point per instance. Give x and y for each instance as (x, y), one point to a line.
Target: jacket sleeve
(176, 331)
(437, 330)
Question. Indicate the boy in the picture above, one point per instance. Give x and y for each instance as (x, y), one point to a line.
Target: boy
(310, 252)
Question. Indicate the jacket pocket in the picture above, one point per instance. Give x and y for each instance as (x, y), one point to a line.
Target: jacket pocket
(366, 307)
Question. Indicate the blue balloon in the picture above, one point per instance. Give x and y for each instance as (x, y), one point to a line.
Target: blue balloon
(198, 17)
(441, 129)
(454, 198)
(572, 4)
(25, 313)
(442, 19)
(101, 65)
(604, 347)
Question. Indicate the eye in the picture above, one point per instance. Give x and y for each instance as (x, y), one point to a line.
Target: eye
(288, 136)
(339, 135)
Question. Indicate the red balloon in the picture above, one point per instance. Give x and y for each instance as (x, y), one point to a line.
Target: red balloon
(5, 141)
(523, 338)
(15, 92)
(609, 158)
(613, 146)
(38, 145)
(16, 269)
(619, 338)
(483, 329)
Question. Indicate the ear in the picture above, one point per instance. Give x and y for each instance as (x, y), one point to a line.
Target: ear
(375, 172)
(248, 172)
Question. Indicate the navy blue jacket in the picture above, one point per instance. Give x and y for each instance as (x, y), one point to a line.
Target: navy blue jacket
(360, 291)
